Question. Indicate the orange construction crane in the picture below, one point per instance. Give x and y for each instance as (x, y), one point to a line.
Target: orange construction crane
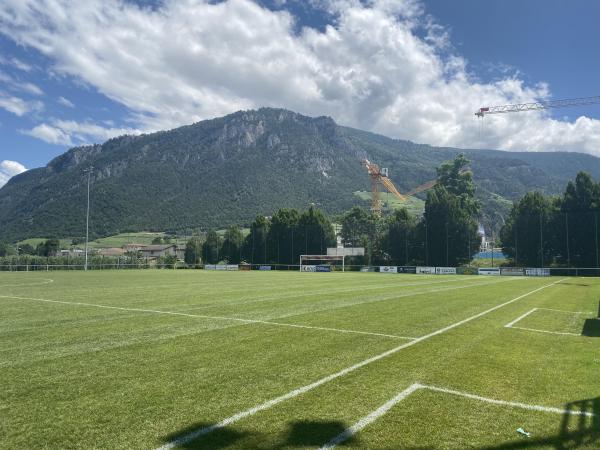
(379, 176)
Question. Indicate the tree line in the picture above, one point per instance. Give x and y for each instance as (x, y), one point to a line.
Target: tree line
(446, 234)
(561, 231)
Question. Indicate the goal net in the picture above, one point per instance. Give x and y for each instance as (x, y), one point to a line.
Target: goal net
(320, 263)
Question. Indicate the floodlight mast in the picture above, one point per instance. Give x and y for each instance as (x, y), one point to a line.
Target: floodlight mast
(520, 107)
(87, 215)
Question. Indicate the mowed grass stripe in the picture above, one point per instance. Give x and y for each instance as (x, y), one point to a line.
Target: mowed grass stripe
(63, 328)
(199, 316)
(183, 440)
(68, 341)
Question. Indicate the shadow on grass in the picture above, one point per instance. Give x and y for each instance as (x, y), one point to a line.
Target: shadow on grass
(300, 434)
(314, 433)
(217, 439)
(591, 328)
(575, 431)
(572, 283)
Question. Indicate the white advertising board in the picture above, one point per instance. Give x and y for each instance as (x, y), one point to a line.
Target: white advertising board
(511, 271)
(309, 268)
(388, 269)
(445, 270)
(489, 271)
(430, 270)
(537, 272)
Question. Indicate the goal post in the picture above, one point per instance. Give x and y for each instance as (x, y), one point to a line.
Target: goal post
(304, 259)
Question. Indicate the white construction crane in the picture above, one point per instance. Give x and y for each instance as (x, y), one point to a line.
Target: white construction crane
(481, 112)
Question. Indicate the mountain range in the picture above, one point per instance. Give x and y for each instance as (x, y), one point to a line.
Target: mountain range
(227, 170)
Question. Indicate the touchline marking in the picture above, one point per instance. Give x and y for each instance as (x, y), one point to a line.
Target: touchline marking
(44, 281)
(200, 316)
(370, 418)
(301, 390)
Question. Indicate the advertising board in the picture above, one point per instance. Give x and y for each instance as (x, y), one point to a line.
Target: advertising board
(429, 270)
(489, 271)
(511, 271)
(445, 270)
(323, 268)
(407, 269)
(309, 268)
(388, 269)
(537, 272)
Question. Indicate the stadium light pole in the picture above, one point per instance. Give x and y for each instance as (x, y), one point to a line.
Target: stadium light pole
(87, 215)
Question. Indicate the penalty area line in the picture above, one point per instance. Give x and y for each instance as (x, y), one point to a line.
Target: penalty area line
(187, 438)
(373, 416)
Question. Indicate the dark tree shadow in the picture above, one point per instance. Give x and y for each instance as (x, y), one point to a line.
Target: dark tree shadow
(314, 433)
(591, 328)
(217, 439)
(573, 283)
(576, 431)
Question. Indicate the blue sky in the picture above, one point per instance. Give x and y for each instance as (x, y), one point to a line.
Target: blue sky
(81, 73)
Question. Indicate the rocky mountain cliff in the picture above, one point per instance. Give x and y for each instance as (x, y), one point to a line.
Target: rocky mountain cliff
(227, 170)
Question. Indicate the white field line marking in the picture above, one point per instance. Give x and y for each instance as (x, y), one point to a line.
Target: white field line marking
(250, 321)
(253, 300)
(395, 297)
(370, 418)
(301, 390)
(546, 409)
(546, 331)
(200, 316)
(43, 281)
(510, 324)
(567, 312)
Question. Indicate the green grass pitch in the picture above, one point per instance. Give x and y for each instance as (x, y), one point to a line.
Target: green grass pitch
(285, 360)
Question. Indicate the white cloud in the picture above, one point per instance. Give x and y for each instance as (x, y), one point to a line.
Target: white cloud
(9, 169)
(190, 59)
(16, 63)
(49, 134)
(20, 86)
(65, 102)
(70, 133)
(17, 105)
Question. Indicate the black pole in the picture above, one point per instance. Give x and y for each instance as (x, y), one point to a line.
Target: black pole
(516, 245)
(568, 249)
(426, 245)
(405, 248)
(596, 222)
(446, 242)
(492, 241)
(541, 241)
